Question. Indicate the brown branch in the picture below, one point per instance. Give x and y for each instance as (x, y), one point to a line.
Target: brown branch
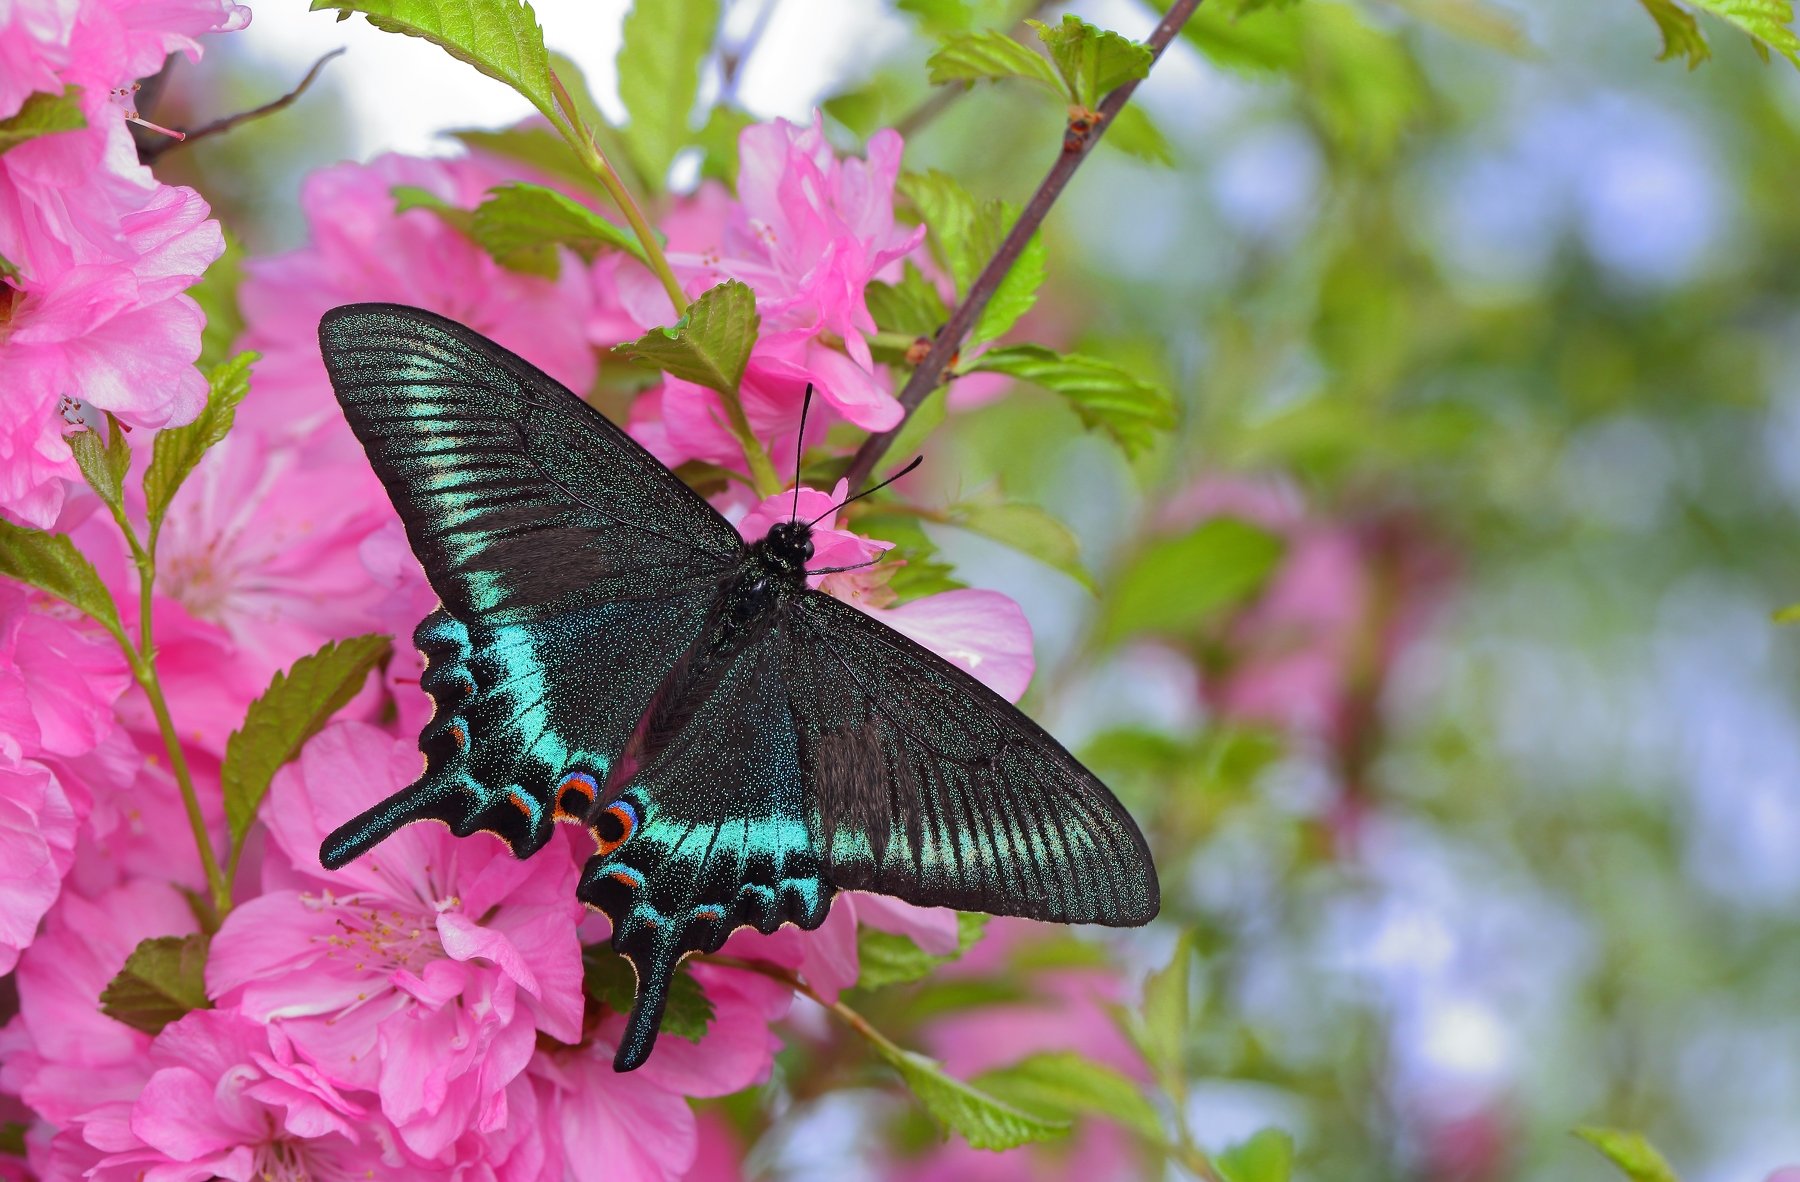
(1077, 143)
(149, 152)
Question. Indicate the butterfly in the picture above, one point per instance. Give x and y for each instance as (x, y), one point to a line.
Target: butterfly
(609, 652)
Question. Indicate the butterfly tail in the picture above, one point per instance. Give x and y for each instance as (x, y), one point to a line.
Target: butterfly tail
(655, 961)
(361, 833)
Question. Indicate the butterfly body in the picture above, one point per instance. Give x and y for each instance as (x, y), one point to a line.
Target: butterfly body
(609, 653)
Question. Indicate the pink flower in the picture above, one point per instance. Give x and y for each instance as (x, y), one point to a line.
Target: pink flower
(94, 320)
(59, 676)
(226, 1097)
(361, 250)
(258, 566)
(600, 1125)
(422, 972)
(808, 233)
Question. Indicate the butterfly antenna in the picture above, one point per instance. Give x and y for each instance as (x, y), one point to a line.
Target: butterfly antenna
(800, 450)
(917, 460)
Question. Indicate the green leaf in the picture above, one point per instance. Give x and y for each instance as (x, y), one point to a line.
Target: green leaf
(965, 234)
(1268, 1156)
(1029, 530)
(938, 17)
(918, 571)
(718, 143)
(521, 218)
(1133, 132)
(1092, 61)
(887, 958)
(43, 113)
(538, 148)
(659, 77)
(1768, 22)
(178, 449)
(984, 1121)
(104, 460)
(1128, 408)
(607, 979)
(411, 197)
(501, 38)
(163, 978)
(1636, 1158)
(911, 306)
(1064, 1084)
(294, 708)
(217, 295)
(51, 563)
(710, 345)
(1681, 36)
(1787, 615)
(1162, 1029)
(1177, 584)
(987, 56)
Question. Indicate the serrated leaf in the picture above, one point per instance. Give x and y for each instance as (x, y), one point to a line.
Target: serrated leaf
(163, 978)
(104, 459)
(1029, 530)
(919, 571)
(1128, 408)
(217, 295)
(294, 708)
(51, 563)
(965, 234)
(1133, 132)
(1092, 61)
(607, 979)
(1268, 1156)
(42, 113)
(659, 77)
(1768, 22)
(1681, 36)
(1176, 585)
(520, 218)
(887, 958)
(710, 345)
(984, 1121)
(938, 17)
(1065, 1084)
(987, 56)
(1636, 1158)
(501, 38)
(177, 450)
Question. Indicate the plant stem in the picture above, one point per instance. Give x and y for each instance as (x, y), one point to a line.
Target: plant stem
(588, 148)
(142, 660)
(1076, 146)
(849, 1016)
(763, 477)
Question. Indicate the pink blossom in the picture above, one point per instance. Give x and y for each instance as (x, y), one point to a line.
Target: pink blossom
(258, 565)
(59, 676)
(226, 1097)
(808, 233)
(361, 250)
(61, 1054)
(422, 972)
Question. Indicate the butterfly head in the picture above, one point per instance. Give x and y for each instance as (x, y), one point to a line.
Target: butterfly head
(789, 546)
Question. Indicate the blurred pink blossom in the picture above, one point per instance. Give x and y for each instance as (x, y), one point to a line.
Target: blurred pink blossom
(423, 971)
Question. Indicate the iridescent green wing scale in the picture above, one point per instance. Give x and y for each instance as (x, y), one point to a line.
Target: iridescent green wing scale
(573, 570)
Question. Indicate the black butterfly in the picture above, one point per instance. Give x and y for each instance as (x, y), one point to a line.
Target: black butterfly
(609, 652)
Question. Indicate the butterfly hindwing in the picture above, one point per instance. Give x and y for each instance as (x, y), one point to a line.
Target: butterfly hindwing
(716, 832)
(933, 788)
(573, 569)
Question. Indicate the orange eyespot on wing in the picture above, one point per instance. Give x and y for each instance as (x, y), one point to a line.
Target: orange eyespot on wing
(614, 826)
(574, 796)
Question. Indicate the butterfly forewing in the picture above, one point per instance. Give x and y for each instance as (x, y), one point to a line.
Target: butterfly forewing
(933, 788)
(573, 569)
